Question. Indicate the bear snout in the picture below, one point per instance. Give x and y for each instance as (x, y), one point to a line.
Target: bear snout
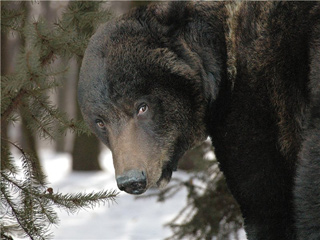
(133, 182)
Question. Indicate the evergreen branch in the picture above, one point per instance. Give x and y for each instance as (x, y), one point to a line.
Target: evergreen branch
(50, 55)
(4, 232)
(39, 34)
(33, 208)
(20, 219)
(50, 215)
(48, 58)
(15, 101)
(167, 192)
(57, 73)
(42, 127)
(12, 27)
(13, 16)
(29, 66)
(7, 162)
(77, 126)
(41, 117)
(52, 112)
(69, 202)
(12, 19)
(61, 27)
(32, 167)
(10, 180)
(25, 212)
(176, 218)
(15, 145)
(13, 105)
(72, 202)
(16, 183)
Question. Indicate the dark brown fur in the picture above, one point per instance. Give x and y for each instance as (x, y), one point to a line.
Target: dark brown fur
(307, 189)
(237, 72)
(263, 129)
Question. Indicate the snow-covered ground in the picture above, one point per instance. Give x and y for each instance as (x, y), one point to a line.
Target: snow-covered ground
(128, 218)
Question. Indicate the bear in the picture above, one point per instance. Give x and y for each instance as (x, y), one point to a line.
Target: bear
(307, 188)
(164, 77)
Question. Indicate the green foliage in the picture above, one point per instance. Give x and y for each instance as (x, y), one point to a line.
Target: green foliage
(211, 211)
(27, 201)
(12, 19)
(34, 74)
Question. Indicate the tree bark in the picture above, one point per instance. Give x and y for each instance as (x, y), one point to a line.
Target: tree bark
(28, 139)
(4, 70)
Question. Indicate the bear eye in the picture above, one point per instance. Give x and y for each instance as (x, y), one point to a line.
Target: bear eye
(100, 123)
(142, 108)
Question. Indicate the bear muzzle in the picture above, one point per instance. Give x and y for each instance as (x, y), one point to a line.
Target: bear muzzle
(133, 182)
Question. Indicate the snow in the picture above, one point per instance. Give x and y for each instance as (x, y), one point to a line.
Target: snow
(128, 218)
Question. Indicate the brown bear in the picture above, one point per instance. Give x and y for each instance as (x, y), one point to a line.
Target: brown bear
(162, 78)
(307, 189)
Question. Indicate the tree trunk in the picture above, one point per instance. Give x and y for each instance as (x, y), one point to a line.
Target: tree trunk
(64, 99)
(4, 70)
(28, 139)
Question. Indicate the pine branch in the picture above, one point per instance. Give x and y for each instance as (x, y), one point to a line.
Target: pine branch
(50, 56)
(30, 165)
(11, 19)
(26, 197)
(19, 218)
(13, 15)
(58, 116)
(17, 99)
(42, 127)
(15, 102)
(45, 199)
(7, 162)
(72, 202)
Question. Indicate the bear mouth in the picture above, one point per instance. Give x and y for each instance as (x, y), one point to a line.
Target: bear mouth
(167, 170)
(165, 176)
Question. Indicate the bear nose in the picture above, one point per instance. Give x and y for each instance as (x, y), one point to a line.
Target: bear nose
(133, 182)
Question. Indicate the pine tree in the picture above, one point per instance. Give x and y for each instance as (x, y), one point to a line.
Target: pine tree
(27, 200)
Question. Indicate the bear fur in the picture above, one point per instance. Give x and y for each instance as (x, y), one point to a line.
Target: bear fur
(307, 189)
(162, 78)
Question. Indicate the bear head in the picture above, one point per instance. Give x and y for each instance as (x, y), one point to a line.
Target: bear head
(144, 92)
